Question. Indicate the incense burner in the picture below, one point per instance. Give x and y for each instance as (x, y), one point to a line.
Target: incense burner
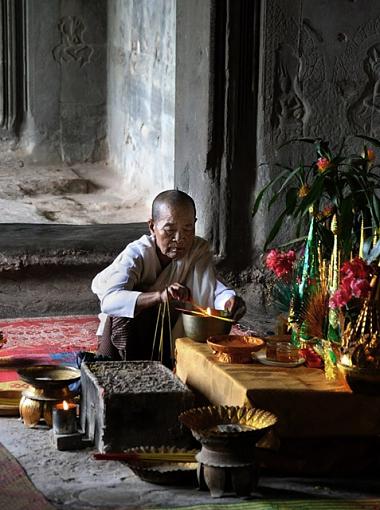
(228, 435)
(200, 326)
(129, 403)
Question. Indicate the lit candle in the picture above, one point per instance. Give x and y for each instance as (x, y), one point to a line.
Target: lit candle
(65, 418)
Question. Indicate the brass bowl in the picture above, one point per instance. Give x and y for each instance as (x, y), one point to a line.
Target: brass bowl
(361, 380)
(165, 472)
(234, 348)
(49, 376)
(222, 421)
(199, 327)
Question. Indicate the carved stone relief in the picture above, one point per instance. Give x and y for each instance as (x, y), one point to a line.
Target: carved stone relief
(294, 70)
(363, 101)
(318, 82)
(72, 47)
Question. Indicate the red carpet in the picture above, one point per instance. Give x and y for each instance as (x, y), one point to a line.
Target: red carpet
(40, 340)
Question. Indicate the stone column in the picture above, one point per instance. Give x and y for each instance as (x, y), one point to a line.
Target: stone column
(12, 66)
(215, 135)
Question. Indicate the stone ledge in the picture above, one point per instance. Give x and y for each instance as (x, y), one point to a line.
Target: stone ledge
(39, 245)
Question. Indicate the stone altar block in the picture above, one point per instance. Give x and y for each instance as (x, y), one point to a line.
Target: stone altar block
(132, 403)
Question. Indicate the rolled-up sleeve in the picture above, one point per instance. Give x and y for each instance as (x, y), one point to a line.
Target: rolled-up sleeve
(222, 295)
(114, 285)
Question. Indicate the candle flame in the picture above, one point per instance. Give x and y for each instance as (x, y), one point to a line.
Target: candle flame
(346, 360)
(208, 311)
(65, 405)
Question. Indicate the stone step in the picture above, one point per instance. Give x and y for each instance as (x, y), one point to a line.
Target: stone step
(47, 269)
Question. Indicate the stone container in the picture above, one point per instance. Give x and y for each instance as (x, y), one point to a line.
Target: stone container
(133, 403)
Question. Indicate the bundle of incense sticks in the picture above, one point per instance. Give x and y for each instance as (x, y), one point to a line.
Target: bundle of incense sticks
(148, 456)
(204, 314)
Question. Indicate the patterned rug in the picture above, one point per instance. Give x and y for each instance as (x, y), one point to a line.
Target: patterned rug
(16, 490)
(52, 340)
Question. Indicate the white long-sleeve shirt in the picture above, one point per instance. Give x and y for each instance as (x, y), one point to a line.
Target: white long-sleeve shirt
(137, 269)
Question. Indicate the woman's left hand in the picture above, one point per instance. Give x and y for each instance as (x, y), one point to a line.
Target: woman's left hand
(235, 307)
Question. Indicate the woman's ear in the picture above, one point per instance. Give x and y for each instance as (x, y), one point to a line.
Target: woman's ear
(151, 226)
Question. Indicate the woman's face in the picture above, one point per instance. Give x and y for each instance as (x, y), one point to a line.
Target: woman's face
(174, 230)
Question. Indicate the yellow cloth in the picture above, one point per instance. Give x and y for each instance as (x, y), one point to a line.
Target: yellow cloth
(306, 404)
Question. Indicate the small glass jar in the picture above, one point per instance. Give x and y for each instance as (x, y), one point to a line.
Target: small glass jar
(271, 350)
(287, 353)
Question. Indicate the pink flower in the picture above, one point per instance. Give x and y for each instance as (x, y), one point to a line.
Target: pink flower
(340, 298)
(354, 283)
(323, 164)
(281, 263)
(360, 288)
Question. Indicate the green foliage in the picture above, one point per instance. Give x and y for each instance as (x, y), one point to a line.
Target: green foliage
(347, 184)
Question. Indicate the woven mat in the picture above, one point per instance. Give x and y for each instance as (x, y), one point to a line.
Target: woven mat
(16, 490)
(293, 504)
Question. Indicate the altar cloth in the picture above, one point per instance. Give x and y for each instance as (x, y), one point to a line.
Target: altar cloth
(306, 404)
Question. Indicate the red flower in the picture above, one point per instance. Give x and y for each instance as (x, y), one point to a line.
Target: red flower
(355, 274)
(323, 164)
(281, 263)
(356, 267)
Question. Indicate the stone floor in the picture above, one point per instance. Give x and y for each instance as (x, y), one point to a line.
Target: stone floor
(75, 481)
(82, 194)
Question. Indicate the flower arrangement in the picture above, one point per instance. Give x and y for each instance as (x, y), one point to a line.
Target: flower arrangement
(333, 183)
(333, 284)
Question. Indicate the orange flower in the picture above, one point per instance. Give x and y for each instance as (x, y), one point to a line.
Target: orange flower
(327, 211)
(303, 191)
(323, 164)
(370, 155)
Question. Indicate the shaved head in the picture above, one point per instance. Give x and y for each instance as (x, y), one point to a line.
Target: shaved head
(171, 198)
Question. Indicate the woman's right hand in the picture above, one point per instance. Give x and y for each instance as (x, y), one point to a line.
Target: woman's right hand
(176, 291)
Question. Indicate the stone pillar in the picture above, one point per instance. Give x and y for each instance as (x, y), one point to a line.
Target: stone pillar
(216, 93)
(198, 139)
(12, 66)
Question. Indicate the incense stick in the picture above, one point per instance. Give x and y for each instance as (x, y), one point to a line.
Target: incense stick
(147, 456)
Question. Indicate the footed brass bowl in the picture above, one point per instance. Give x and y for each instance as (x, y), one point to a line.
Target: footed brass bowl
(161, 465)
(361, 380)
(49, 376)
(228, 421)
(201, 327)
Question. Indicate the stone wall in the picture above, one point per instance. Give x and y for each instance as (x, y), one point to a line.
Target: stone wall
(318, 78)
(141, 93)
(65, 79)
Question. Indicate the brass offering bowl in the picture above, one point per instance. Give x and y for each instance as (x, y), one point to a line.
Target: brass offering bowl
(234, 348)
(228, 435)
(200, 327)
(361, 380)
(48, 385)
(163, 467)
(49, 376)
(222, 421)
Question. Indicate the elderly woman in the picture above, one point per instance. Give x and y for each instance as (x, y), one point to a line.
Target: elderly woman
(171, 264)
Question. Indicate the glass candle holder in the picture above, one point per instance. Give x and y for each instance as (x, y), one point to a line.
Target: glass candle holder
(271, 350)
(287, 353)
(65, 418)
